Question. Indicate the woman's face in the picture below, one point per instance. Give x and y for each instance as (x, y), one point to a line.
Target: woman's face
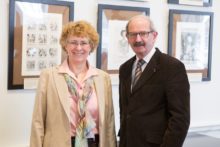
(78, 49)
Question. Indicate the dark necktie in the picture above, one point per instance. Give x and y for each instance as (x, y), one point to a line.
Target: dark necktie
(138, 71)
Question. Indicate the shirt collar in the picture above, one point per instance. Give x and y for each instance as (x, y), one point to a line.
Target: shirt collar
(148, 56)
(64, 68)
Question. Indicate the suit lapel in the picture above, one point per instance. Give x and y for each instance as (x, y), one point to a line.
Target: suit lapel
(127, 74)
(62, 91)
(151, 68)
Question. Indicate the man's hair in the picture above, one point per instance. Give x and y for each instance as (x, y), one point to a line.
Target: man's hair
(152, 28)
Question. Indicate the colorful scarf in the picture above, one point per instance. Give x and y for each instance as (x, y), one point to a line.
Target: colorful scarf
(85, 124)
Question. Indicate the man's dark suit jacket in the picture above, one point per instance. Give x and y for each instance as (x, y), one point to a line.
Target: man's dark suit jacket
(158, 108)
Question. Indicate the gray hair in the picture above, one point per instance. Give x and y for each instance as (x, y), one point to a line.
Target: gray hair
(152, 28)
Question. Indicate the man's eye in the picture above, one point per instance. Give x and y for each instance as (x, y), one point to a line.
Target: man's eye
(134, 34)
(143, 33)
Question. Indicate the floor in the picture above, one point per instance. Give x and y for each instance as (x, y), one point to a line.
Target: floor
(203, 139)
(209, 138)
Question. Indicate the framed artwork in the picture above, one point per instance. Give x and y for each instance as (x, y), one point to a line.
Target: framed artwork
(113, 49)
(190, 41)
(137, 0)
(35, 27)
(205, 3)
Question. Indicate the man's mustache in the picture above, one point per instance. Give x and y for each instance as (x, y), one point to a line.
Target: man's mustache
(138, 44)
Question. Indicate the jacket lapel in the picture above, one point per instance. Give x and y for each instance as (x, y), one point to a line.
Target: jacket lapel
(98, 85)
(126, 75)
(62, 91)
(151, 68)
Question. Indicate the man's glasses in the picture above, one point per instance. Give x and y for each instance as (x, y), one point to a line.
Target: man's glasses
(76, 43)
(143, 34)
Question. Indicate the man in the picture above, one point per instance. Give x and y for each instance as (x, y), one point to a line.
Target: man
(154, 100)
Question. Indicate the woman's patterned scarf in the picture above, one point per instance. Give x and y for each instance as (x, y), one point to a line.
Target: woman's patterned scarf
(85, 124)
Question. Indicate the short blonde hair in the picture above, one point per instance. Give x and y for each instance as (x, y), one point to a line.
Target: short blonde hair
(79, 29)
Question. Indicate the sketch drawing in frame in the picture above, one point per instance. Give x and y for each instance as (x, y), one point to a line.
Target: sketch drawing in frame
(113, 49)
(40, 43)
(34, 31)
(190, 41)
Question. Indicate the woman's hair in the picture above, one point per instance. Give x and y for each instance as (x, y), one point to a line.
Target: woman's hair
(79, 29)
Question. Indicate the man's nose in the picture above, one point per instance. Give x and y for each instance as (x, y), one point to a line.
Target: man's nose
(138, 38)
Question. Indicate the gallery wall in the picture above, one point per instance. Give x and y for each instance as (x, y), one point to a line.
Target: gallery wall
(16, 106)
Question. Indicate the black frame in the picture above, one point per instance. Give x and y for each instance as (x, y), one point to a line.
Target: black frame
(53, 4)
(175, 16)
(102, 8)
(205, 4)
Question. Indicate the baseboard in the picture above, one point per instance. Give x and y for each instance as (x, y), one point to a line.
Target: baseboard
(204, 128)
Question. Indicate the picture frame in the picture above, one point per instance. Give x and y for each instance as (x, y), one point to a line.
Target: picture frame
(34, 30)
(113, 48)
(205, 3)
(190, 41)
(137, 0)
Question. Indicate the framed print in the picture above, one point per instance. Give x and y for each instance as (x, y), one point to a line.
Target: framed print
(190, 41)
(113, 49)
(205, 3)
(137, 0)
(35, 27)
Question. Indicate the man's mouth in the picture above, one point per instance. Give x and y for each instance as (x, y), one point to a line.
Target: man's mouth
(138, 44)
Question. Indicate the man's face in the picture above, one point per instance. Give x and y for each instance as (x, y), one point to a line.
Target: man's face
(140, 37)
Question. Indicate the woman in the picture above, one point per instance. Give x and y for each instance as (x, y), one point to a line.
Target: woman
(73, 105)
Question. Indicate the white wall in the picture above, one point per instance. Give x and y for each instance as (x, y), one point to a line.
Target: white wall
(16, 106)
